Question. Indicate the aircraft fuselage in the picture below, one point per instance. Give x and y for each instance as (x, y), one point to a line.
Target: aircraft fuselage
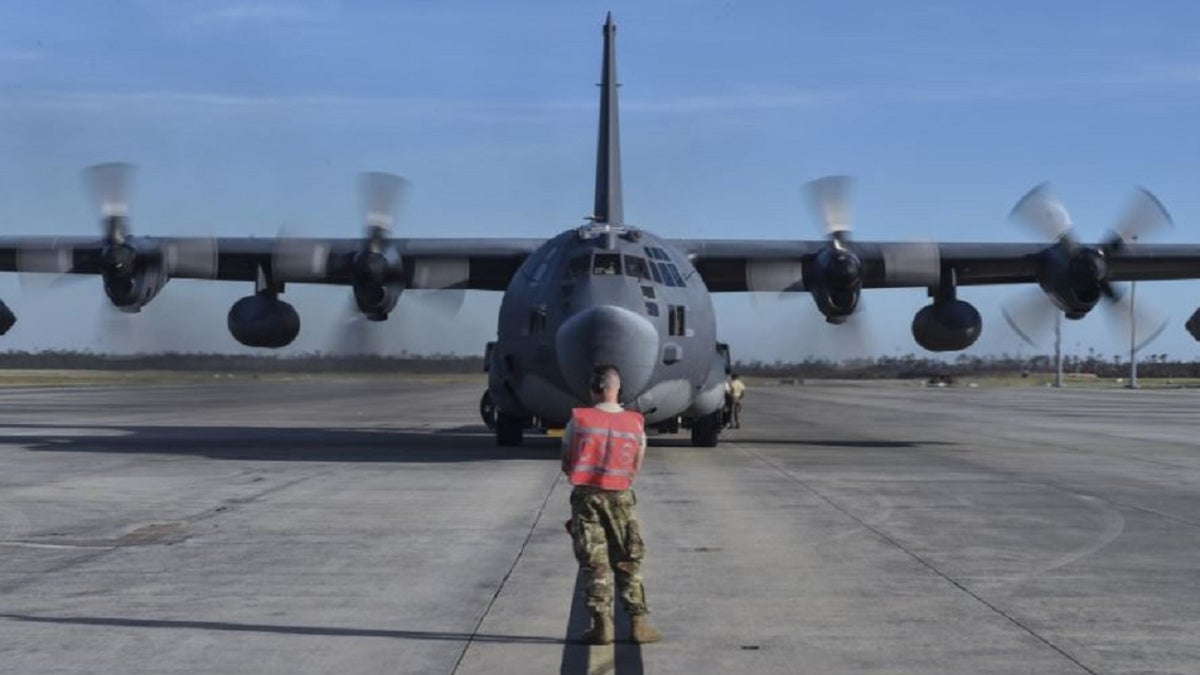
(602, 295)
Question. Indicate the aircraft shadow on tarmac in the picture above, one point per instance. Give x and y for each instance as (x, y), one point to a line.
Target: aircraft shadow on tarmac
(328, 444)
(466, 444)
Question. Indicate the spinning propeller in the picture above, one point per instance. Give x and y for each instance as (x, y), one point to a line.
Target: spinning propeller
(1074, 277)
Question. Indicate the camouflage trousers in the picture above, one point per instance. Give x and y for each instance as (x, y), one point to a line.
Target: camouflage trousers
(608, 543)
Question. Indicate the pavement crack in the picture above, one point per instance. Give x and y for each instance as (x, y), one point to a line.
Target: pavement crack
(921, 560)
(155, 533)
(228, 504)
(500, 588)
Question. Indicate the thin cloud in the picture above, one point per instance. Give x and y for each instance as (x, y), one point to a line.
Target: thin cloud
(1157, 75)
(766, 100)
(20, 56)
(208, 103)
(265, 11)
(782, 98)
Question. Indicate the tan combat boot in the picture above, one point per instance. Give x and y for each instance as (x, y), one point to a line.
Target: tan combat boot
(601, 631)
(643, 632)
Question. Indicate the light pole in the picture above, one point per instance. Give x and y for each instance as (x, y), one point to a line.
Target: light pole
(1058, 373)
(1133, 383)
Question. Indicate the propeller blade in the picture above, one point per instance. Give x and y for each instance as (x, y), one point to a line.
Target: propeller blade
(1041, 211)
(914, 264)
(47, 258)
(297, 259)
(829, 198)
(381, 195)
(1140, 322)
(853, 338)
(115, 331)
(446, 302)
(109, 184)
(193, 257)
(45, 266)
(1144, 215)
(1031, 315)
(355, 334)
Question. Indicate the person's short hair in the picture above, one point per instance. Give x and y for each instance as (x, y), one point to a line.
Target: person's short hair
(605, 376)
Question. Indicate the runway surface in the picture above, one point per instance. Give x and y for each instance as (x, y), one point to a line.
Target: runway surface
(370, 526)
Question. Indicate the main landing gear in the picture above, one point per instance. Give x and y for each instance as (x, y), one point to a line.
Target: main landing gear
(510, 431)
(706, 429)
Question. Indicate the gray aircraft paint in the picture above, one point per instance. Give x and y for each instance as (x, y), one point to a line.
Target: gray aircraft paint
(556, 325)
(560, 318)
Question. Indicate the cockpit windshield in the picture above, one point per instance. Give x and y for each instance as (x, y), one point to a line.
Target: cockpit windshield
(636, 267)
(606, 264)
(580, 265)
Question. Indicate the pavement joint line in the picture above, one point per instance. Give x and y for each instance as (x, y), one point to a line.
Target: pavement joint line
(928, 565)
(512, 568)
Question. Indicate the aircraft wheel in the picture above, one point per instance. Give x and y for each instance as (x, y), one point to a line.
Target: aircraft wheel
(510, 431)
(705, 430)
(487, 410)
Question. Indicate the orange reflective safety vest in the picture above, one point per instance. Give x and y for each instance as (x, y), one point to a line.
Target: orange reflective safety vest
(604, 447)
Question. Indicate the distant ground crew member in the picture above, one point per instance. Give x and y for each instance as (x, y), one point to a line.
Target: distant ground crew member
(736, 390)
(603, 447)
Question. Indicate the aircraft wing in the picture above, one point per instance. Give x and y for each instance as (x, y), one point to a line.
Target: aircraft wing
(729, 265)
(427, 263)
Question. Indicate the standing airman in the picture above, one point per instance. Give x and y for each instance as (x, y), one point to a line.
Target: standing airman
(603, 448)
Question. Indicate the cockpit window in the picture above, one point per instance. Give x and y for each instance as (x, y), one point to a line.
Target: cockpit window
(654, 272)
(547, 263)
(675, 275)
(606, 263)
(636, 267)
(579, 265)
(670, 276)
(656, 253)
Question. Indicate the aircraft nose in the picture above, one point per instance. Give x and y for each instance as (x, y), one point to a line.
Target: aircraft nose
(607, 334)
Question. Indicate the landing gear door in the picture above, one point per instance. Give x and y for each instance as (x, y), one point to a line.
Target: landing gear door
(487, 356)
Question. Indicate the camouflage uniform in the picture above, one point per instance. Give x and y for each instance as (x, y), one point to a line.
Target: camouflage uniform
(608, 542)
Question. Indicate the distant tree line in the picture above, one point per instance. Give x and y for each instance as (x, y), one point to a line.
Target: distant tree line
(248, 363)
(883, 367)
(912, 366)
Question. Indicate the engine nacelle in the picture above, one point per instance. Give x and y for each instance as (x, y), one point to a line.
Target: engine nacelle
(376, 301)
(1193, 325)
(378, 282)
(263, 320)
(7, 318)
(131, 278)
(835, 282)
(1073, 279)
(947, 326)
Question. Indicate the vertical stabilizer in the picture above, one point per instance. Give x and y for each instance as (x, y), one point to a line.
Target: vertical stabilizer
(608, 207)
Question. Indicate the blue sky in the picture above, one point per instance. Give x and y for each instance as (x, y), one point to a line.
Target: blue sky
(246, 118)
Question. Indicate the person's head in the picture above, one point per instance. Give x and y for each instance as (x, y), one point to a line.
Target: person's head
(606, 383)
(734, 376)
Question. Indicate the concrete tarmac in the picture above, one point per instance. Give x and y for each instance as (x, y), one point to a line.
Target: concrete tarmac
(369, 525)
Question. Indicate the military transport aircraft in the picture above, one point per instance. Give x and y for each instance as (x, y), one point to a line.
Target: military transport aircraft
(607, 292)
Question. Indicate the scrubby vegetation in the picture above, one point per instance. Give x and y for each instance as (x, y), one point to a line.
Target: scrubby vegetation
(884, 367)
